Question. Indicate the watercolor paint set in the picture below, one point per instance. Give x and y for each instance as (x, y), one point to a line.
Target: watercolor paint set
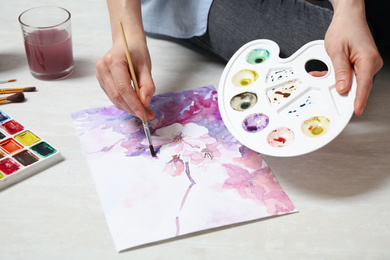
(283, 107)
(22, 152)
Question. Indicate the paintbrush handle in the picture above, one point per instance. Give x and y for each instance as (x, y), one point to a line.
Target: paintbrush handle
(131, 68)
(10, 90)
(3, 100)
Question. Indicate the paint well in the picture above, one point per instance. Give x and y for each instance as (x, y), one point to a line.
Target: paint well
(257, 56)
(1, 154)
(244, 78)
(279, 93)
(315, 126)
(243, 101)
(13, 127)
(10, 146)
(26, 158)
(255, 122)
(3, 117)
(280, 137)
(27, 138)
(43, 149)
(2, 135)
(8, 166)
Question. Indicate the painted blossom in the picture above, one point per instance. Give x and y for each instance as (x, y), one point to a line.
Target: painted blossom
(260, 185)
(175, 167)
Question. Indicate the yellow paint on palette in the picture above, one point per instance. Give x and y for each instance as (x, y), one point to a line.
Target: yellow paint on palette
(27, 138)
(1, 175)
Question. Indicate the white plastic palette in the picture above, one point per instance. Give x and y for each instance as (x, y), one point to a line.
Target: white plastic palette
(275, 106)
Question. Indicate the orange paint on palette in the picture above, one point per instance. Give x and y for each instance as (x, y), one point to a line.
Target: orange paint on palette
(10, 146)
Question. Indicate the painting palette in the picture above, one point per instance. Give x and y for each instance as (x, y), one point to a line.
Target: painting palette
(283, 107)
(22, 152)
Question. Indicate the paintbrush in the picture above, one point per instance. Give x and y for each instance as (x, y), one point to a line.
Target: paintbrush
(18, 97)
(6, 81)
(16, 90)
(144, 119)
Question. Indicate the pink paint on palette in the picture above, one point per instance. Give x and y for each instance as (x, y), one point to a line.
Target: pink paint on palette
(202, 178)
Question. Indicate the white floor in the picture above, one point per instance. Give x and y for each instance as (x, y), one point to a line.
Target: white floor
(341, 190)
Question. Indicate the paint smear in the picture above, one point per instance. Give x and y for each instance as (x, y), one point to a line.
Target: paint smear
(255, 122)
(279, 74)
(301, 108)
(281, 92)
(316, 126)
(257, 56)
(243, 101)
(244, 78)
(281, 137)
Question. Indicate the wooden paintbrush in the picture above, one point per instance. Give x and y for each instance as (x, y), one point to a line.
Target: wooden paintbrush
(16, 90)
(18, 97)
(133, 77)
(6, 81)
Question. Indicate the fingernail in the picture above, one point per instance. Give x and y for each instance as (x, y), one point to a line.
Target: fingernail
(340, 86)
(361, 110)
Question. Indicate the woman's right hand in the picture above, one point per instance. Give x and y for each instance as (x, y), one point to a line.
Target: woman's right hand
(113, 70)
(114, 78)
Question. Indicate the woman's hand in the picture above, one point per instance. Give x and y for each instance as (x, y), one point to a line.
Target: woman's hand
(114, 78)
(350, 45)
(113, 70)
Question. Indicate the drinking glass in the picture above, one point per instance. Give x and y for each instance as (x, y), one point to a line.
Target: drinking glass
(48, 41)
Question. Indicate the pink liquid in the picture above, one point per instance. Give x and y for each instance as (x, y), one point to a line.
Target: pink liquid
(49, 54)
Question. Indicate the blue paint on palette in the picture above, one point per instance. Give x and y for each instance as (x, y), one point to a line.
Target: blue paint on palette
(297, 110)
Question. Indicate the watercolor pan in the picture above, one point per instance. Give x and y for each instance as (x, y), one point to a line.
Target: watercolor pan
(22, 151)
(283, 107)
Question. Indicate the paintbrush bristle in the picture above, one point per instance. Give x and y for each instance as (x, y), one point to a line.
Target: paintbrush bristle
(29, 89)
(152, 151)
(18, 97)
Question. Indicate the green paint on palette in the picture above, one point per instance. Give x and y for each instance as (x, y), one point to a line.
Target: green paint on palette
(257, 56)
(43, 149)
(26, 158)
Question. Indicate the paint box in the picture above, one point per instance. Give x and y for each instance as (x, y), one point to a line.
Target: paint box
(22, 151)
(283, 107)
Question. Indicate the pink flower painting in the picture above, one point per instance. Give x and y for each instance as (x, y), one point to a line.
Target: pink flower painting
(202, 178)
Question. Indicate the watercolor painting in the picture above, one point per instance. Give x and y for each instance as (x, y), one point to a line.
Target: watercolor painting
(202, 177)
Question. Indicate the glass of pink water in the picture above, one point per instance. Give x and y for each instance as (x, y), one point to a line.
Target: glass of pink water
(47, 38)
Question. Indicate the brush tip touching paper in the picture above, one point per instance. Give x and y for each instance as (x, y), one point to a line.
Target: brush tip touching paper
(152, 151)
